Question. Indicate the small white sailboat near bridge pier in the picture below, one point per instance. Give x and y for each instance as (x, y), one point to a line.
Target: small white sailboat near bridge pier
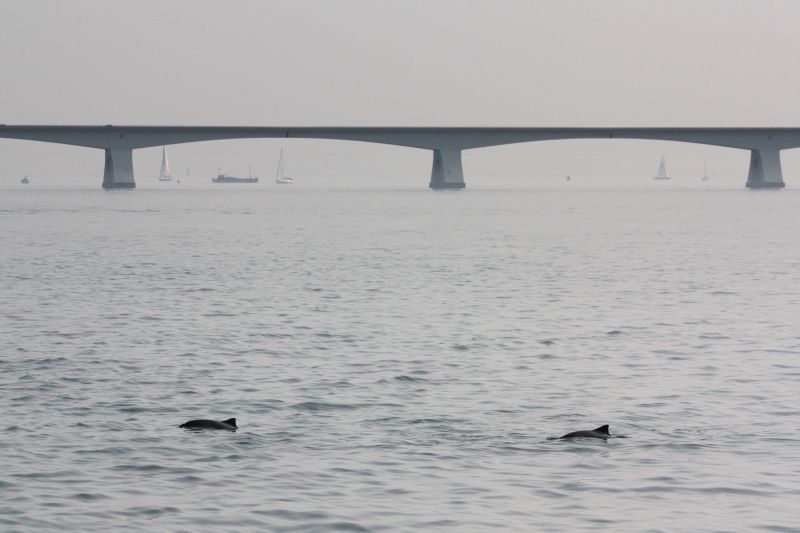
(165, 174)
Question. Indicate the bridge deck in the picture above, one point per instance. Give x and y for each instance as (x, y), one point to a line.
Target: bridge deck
(446, 142)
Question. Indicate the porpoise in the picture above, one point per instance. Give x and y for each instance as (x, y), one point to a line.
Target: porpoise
(599, 433)
(229, 424)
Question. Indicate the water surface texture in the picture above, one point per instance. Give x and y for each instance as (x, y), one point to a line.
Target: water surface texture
(397, 359)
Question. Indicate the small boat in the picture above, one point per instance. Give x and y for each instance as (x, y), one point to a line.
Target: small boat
(706, 177)
(280, 175)
(224, 178)
(164, 175)
(25, 179)
(662, 170)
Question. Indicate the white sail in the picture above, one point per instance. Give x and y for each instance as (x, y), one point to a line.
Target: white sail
(165, 174)
(662, 170)
(280, 174)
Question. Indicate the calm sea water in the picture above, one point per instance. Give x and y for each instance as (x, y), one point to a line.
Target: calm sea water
(397, 359)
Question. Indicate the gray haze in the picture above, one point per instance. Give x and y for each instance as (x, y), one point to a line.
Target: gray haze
(426, 63)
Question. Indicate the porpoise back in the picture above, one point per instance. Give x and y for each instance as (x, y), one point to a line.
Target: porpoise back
(229, 424)
(599, 433)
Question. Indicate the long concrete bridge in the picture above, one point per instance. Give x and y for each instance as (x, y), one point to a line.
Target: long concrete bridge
(447, 144)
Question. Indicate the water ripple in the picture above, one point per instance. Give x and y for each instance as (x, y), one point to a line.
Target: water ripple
(397, 360)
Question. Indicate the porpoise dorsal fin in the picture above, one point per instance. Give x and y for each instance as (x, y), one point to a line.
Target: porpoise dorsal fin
(232, 422)
(602, 429)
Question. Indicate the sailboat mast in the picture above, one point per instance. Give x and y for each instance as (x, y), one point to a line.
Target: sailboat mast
(165, 173)
(166, 163)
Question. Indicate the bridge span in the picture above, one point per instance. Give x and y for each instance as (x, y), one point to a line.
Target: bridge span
(446, 143)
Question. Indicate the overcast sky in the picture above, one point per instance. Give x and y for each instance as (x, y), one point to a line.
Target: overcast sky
(409, 62)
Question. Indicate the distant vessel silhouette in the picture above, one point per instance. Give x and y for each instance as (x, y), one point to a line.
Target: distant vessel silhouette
(164, 175)
(25, 179)
(706, 177)
(280, 175)
(662, 170)
(224, 178)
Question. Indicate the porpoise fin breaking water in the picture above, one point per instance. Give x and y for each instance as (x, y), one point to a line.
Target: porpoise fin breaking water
(229, 424)
(599, 433)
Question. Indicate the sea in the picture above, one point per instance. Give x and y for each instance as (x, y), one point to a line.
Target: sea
(400, 359)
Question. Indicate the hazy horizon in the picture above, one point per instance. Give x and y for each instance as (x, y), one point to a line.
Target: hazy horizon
(362, 63)
(400, 359)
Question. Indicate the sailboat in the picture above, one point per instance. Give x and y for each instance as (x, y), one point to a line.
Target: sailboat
(165, 174)
(706, 177)
(280, 175)
(662, 170)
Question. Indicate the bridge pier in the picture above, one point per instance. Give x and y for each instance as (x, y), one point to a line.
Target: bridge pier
(447, 172)
(118, 173)
(765, 170)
